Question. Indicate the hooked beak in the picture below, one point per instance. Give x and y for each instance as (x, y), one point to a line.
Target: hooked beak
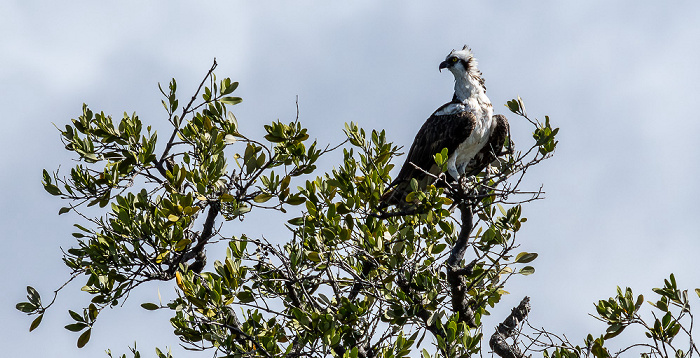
(443, 64)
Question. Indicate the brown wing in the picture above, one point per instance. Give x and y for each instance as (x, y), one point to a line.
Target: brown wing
(492, 149)
(438, 132)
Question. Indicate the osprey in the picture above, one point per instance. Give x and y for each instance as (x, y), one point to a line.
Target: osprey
(465, 126)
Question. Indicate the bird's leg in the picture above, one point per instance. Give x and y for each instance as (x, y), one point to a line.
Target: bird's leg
(463, 182)
(466, 185)
(452, 170)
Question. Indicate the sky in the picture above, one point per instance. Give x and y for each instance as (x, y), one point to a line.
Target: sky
(619, 78)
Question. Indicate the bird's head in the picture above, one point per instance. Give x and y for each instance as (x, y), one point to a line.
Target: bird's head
(468, 80)
(460, 62)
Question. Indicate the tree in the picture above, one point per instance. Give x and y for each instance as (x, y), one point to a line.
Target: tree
(351, 280)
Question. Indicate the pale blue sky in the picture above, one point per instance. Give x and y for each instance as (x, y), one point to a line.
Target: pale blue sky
(619, 78)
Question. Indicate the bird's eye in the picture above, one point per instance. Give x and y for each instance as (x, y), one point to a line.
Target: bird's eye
(454, 59)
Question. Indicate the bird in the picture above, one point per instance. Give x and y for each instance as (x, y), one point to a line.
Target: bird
(466, 126)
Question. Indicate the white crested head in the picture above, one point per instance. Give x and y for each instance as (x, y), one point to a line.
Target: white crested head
(468, 80)
(461, 63)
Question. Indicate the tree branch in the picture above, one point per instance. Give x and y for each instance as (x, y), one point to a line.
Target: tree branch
(185, 110)
(507, 329)
(455, 273)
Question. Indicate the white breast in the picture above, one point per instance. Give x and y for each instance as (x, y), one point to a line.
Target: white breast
(466, 151)
(472, 97)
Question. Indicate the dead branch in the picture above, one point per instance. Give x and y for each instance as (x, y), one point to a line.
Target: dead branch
(507, 329)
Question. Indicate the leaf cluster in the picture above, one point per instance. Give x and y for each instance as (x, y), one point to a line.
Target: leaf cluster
(624, 310)
(349, 282)
(149, 231)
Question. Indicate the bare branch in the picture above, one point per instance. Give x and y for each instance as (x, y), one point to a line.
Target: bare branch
(507, 329)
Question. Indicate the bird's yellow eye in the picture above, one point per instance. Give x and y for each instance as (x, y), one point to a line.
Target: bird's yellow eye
(454, 59)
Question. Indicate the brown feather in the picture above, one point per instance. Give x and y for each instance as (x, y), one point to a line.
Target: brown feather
(438, 132)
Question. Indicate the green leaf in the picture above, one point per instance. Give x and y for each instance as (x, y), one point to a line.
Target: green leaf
(296, 221)
(84, 338)
(33, 296)
(92, 312)
(245, 297)
(262, 198)
(47, 177)
(662, 305)
(241, 210)
(190, 210)
(63, 210)
(162, 256)
(640, 300)
(502, 210)
(614, 330)
(438, 248)
(76, 316)
(411, 196)
(284, 183)
(513, 106)
(295, 200)
(150, 306)
(36, 322)
(52, 189)
(527, 270)
(233, 86)
(438, 158)
(432, 318)
(231, 100)
(91, 157)
(26, 307)
(182, 244)
(76, 327)
(313, 256)
(697, 291)
(525, 257)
